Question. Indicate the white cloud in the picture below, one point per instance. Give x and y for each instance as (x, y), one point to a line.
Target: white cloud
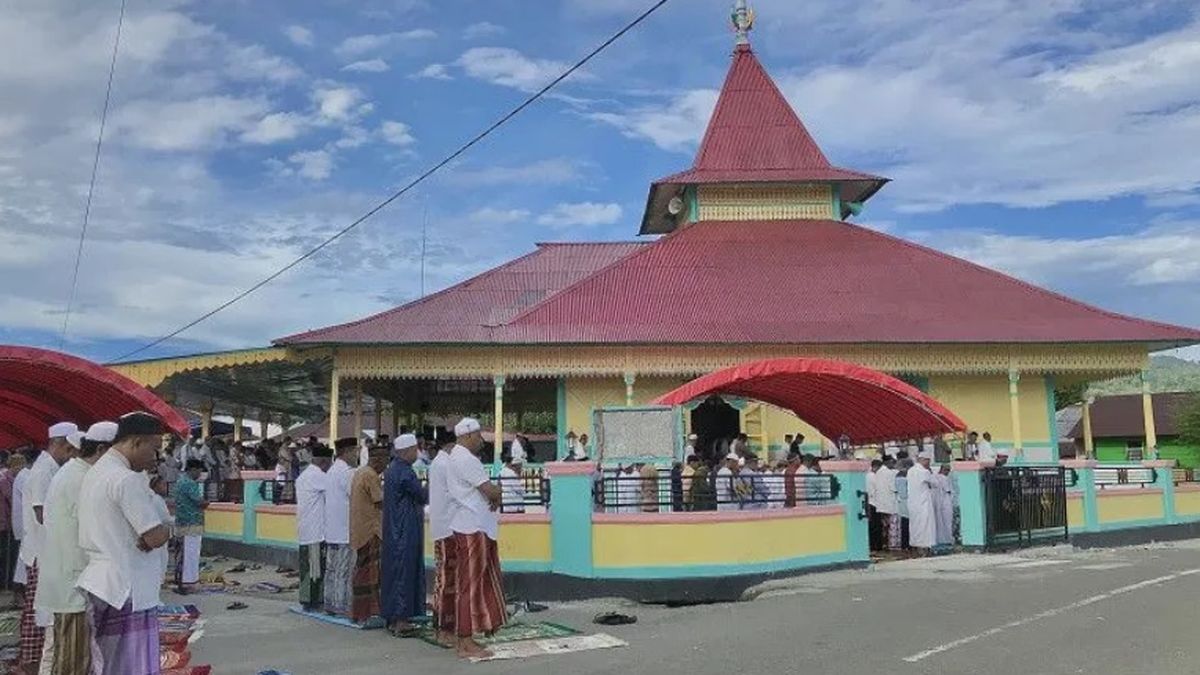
(397, 133)
(509, 68)
(581, 214)
(353, 136)
(482, 29)
(282, 126)
(433, 71)
(541, 172)
(185, 125)
(299, 35)
(313, 164)
(489, 216)
(338, 103)
(368, 66)
(677, 126)
(253, 62)
(363, 44)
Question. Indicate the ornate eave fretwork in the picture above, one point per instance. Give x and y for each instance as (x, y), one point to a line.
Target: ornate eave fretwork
(616, 360)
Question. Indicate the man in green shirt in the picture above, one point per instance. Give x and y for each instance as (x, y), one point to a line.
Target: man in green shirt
(189, 525)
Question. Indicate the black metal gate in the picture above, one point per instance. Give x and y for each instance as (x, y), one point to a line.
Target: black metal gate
(1025, 505)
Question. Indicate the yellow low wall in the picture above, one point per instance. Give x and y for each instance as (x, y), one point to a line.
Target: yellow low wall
(716, 539)
(1121, 505)
(223, 520)
(276, 523)
(1075, 516)
(1187, 501)
(524, 539)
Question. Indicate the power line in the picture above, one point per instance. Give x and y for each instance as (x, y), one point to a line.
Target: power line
(87, 209)
(402, 191)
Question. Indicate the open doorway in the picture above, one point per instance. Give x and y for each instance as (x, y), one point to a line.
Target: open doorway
(714, 421)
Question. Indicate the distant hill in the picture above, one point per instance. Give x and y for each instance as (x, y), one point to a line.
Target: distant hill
(1167, 373)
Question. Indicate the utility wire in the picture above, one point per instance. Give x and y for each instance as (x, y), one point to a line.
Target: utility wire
(87, 209)
(402, 191)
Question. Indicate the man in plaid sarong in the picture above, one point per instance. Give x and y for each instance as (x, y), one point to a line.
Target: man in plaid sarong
(366, 522)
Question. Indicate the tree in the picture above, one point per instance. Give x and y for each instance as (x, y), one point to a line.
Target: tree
(1069, 395)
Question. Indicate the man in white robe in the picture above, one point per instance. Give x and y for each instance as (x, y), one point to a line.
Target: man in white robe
(922, 521)
(727, 499)
(943, 504)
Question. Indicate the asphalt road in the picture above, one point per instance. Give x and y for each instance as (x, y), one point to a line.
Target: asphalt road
(1049, 611)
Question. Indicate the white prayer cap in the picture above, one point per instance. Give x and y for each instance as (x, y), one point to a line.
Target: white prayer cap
(404, 441)
(693, 437)
(466, 426)
(62, 430)
(102, 432)
(733, 456)
(75, 438)
(925, 454)
(518, 458)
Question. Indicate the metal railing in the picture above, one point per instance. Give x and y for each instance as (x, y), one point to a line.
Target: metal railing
(617, 492)
(528, 492)
(223, 490)
(1025, 504)
(1107, 477)
(277, 491)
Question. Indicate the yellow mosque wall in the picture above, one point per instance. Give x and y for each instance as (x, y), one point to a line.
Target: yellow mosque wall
(585, 394)
(982, 402)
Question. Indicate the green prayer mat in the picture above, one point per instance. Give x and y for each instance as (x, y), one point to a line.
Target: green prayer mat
(10, 623)
(515, 631)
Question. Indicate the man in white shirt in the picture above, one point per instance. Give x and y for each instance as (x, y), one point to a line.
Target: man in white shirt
(311, 487)
(18, 527)
(120, 530)
(873, 522)
(63, 559)
(922, 519)
(33, 500)
(441, 510)
(339, 557)
(727, 499)
(986, 452)
(885, 504)
(475, 500)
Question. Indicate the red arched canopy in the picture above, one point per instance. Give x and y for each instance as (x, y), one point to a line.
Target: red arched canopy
(834, 397)
(39, 387)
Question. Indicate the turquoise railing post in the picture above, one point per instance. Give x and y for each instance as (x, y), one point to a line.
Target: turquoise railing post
(968, 476)
(1164, 479)
(852, 479)
(250, 501)
(1091, 512)
(571, 517)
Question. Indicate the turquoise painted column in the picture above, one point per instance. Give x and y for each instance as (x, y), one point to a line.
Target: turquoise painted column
(250, 500)
(1165, 480)
(852, 477)
(972, 512)
(1085, 487)
(571, 517)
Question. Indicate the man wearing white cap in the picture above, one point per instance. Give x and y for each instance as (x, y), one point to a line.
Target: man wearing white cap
(69, 645)
(402, 569)
(512, 487)
(922, 519)
(475, 500)
(726, 483)
(33, 501)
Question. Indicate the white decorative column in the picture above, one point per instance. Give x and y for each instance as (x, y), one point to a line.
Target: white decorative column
(1014, 404)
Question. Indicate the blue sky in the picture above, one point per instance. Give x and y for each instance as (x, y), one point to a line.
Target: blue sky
(1058, 141)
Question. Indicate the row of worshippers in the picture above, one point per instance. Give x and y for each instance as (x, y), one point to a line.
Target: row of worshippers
(911, 507)
(93, 553)
(361, 537)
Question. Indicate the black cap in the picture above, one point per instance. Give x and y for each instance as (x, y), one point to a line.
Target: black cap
(139, 424)
(195, 464)
(345, 443)
(320, 451)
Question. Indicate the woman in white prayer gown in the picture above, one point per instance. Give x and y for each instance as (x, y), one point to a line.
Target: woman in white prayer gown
(922, 521)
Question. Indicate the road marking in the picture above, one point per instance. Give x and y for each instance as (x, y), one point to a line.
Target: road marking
(1034, 563)
(1047, 614)
(1099, 567)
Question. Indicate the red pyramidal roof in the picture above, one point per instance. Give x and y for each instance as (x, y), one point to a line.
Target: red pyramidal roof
(754, 136)
(768, 282)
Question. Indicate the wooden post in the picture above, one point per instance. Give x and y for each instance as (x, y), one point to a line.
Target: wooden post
(206, 421)
(1014, 402)
(358, 409)
(630, 378)
(1148, 418)
(395, 420)
(1089, 447)
(264, 423)
(378, 416)
(498, 381)
(237, 425)
(334, 405)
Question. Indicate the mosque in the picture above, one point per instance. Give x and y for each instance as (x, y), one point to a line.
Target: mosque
(749, 254)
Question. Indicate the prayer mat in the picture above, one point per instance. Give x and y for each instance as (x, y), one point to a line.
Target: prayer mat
(369, 624)
(10, 623)
(552, 646)
(514, 631)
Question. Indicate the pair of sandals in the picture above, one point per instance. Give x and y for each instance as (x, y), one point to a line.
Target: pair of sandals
(410, 632)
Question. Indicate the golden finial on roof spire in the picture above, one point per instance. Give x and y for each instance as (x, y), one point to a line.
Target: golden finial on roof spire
(743, 22)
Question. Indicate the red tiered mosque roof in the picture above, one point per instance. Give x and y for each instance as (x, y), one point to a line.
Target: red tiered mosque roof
(770, 281)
